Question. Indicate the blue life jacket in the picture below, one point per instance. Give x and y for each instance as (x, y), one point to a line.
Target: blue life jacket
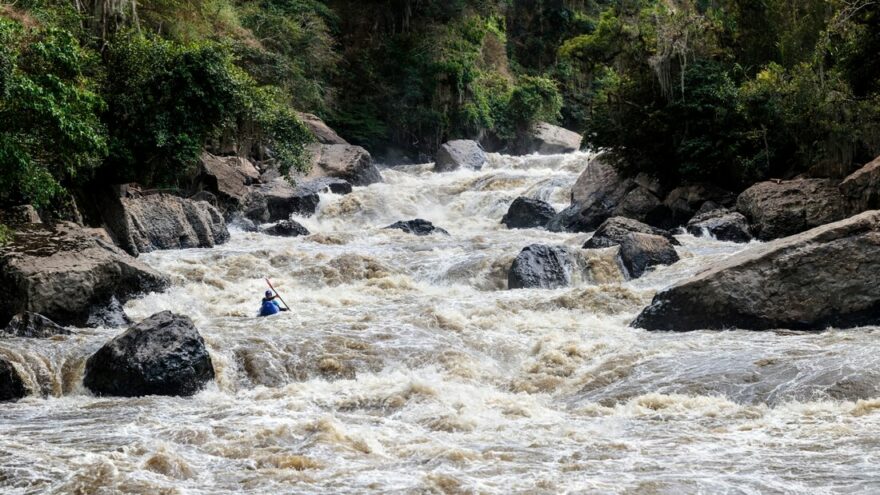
(269, 308)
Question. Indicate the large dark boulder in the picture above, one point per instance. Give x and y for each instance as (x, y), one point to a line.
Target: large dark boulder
(162, 355)
(722, 224)
(639, 252)
(685, 201)
(287, 228)
(343, 161)
(613, 231)
(862, 188)
(594, 197)
(810, 281)
(418, 227)
(143, 223)
(327, 184)
(459, 153)
(11, 385)
(528, 213)
(64, 273)
(541, 267)
(322, 132)
(228, 178)
(282, 200)
(782, 208)
(642, 205)
(33, 326)
(547, 139)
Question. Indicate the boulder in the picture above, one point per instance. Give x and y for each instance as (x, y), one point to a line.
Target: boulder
(227, 177)
(283, 200)
(417, 227)
(140, 224)
(162, 355)
(862, 188)
(110, 315)
(322, 132)
(33, 326)
(685, 201)
(351, 163)
(18, 215)
(548, 139)
(783, 208)
(613, 231)
(327, 184)
(642, 205)
(64, 274)
(594, 197)
(287, 228)
(639, 251)
(722, 224)
(459, 153)
(824, 277)
(528, 213)
(541, 267)
(11, 385)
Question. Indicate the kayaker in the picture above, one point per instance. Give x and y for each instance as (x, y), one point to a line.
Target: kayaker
(270, 306)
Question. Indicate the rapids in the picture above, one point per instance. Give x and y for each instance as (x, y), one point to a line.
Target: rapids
(405, 367)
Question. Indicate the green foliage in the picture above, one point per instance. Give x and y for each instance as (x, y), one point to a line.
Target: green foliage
(5, 235)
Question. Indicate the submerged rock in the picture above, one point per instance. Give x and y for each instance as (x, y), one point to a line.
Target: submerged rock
(722, 224)
(782, 208)
(459, 153)
(541, 267)
(65, 274)
(287, 228)
(810, 281)
(343, 161)
(162, 355)
(639, 252)
(33, 326)
(528, 213)
(613, 231)
(11, 385)
(417, 227)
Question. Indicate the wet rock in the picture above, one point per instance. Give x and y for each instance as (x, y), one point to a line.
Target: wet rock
(810, 281)
(596, 194)
(639, 251)
(782, 208)
(685, 201)
(140, 224)
(283, 200)
(541, 267)
(11, 385)
(613, 231)
(459, 153)
(862, 188)
(722, 224)
(642, 205)
(322, 132)
(528, 213)
(548, 139)
(33, 326)
(287, 228)
(417, 227)
(327, 184)
(351, 163)
(162, 355)
(227, 177)
(17, 215)
(63, 273)
(243, 223)
(110, 315)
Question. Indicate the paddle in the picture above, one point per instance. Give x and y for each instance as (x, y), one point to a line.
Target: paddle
(277, 294)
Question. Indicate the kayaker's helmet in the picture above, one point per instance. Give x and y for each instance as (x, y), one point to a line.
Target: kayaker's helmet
(269, 294)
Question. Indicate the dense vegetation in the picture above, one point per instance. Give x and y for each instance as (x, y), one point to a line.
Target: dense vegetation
(727, 91)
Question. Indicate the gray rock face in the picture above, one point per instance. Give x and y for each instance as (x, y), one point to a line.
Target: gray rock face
(594, 197)
(528, 213)
(459, 153)
(784, 208)
(11, 385)
(548, 139)
(418, 227)
(639, 251)
(283, 200)
(33, 326)
(287, 228)
(351, 163)
(722, 224)
(613, 231)
(18, 215)
(541, 267)
(685, 201)
(162, 355)
(322, 132)
(63, 273)
(140, 224)
(228, 177)
(862, 188)
(810, 281)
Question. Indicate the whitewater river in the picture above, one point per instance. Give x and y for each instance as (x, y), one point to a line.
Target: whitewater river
(406, 367)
